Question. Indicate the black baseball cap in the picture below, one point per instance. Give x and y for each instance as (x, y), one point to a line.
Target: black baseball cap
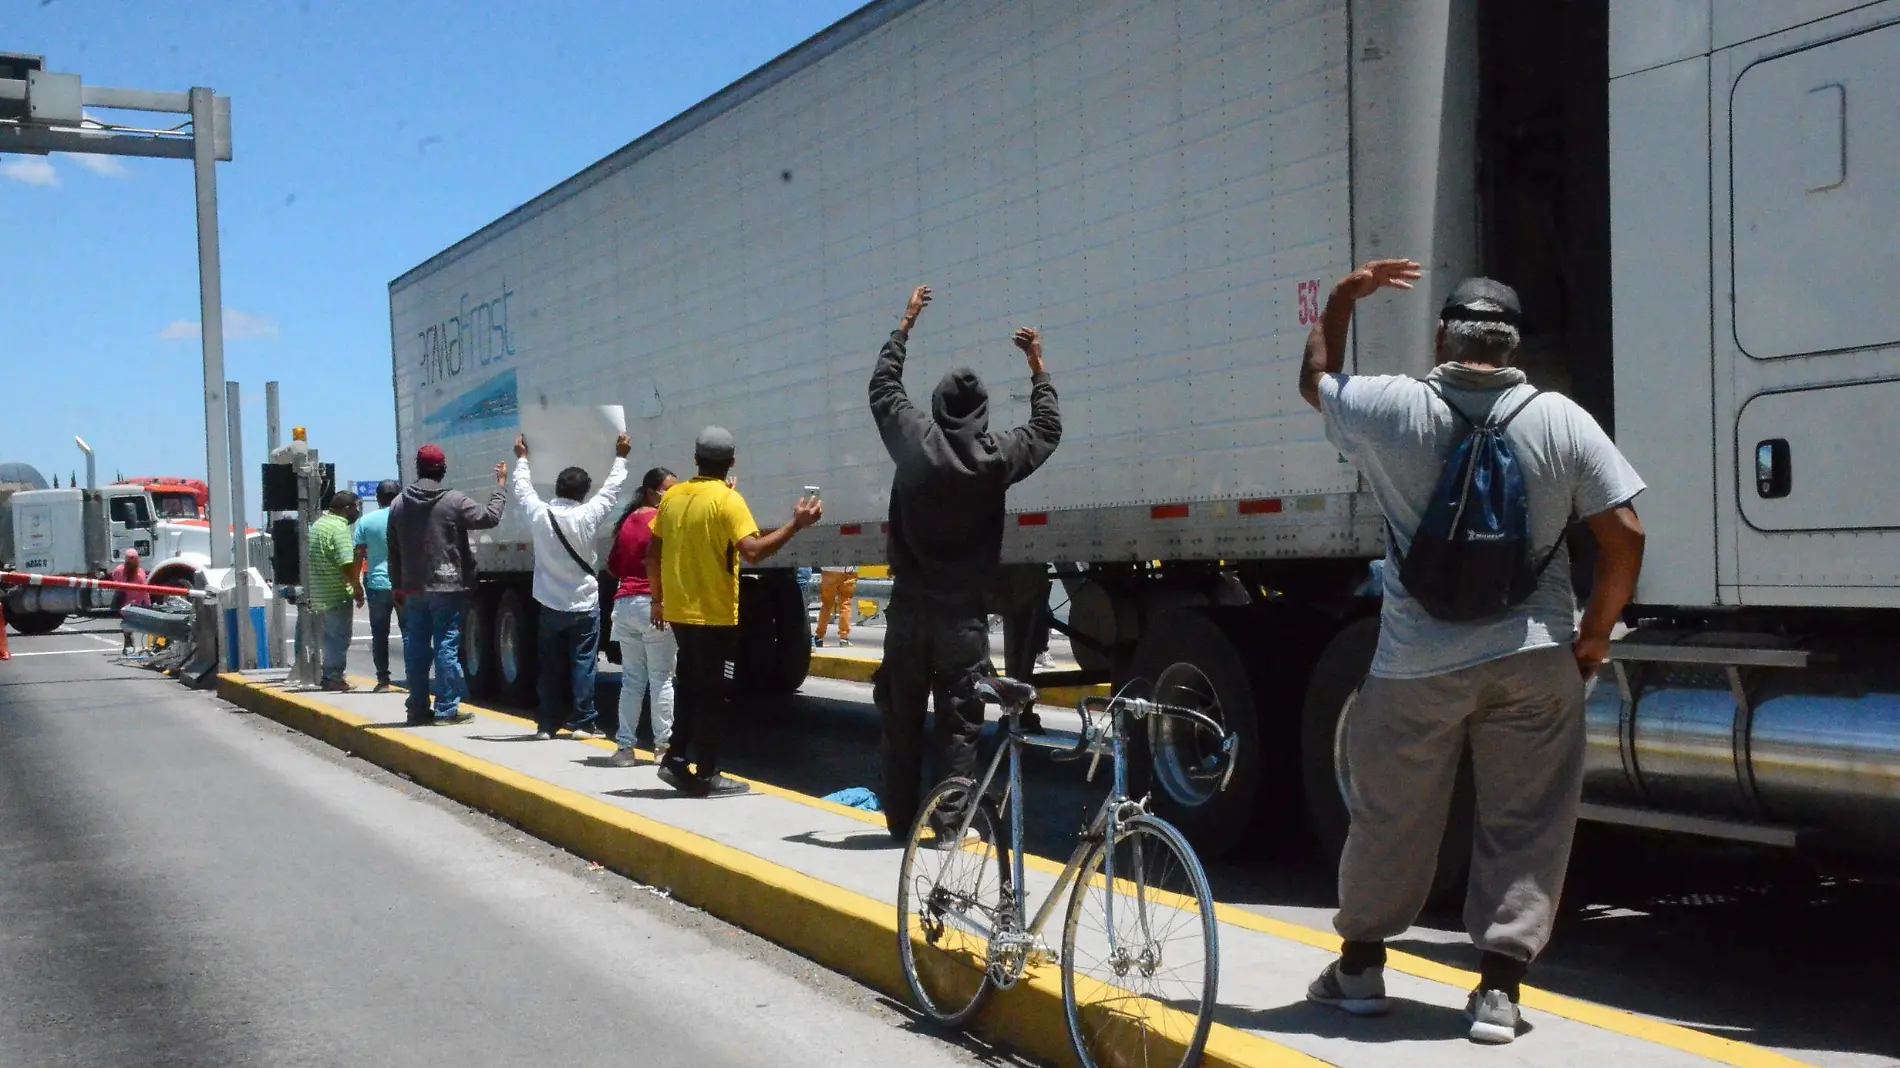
(1482, 300)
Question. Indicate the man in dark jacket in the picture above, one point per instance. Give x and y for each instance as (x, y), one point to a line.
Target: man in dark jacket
(433, 572)
(946, 544)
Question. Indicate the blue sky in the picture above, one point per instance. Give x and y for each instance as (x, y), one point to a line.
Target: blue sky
(368, 136)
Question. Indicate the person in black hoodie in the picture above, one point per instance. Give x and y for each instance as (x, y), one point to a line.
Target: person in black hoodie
(432, 572)
(946, 545)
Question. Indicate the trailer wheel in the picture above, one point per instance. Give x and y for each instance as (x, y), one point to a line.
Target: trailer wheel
(478, 646)
(1185, 658)
(34, 624)
(1327, 778)
(774, 634)
(516, 660)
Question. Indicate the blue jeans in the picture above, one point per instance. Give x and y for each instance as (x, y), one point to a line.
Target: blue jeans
(432, 630)
(382, 604)
(336, 640)
(568, 640)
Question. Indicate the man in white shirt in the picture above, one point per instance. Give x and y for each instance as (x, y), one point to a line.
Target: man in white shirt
(565, 586)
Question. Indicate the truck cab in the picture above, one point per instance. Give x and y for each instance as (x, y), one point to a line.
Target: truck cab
(72, 532)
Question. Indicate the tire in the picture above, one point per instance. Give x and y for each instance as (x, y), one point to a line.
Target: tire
(793, 628)
(951, 980)
(1186, 658)
(478, 647)
(774, 634)
(34, 624)
(1158, 1009)
(517, 662)
(1334, 685)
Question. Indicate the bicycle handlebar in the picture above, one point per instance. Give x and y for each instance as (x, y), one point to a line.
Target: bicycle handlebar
(1142, 708)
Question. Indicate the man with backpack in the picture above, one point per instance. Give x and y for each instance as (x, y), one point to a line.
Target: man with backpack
(1480, 478)
(565, 586)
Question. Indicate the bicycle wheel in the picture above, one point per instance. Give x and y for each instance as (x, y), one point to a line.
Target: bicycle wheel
(950, 899)
(1140, 991)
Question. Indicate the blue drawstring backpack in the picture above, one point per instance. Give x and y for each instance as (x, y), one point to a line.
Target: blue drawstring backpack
(1471, 555)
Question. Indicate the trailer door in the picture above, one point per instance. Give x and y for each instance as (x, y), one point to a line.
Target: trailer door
(1808, 364)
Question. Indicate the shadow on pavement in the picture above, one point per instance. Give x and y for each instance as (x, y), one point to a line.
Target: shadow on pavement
(868, 840)
(1409, 1021)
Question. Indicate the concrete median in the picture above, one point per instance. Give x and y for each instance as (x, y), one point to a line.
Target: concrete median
(820, 879)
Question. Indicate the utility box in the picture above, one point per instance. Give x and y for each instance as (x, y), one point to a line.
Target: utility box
(259, 601)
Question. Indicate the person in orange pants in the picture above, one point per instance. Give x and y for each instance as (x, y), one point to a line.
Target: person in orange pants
(836, 587)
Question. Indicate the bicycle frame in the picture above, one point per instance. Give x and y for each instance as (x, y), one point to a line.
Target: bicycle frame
(1102, 824)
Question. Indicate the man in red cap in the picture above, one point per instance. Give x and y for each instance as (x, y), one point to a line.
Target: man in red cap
(433, 572)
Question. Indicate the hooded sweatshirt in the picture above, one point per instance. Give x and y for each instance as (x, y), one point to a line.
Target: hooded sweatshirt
(428, 537)
(946, 537)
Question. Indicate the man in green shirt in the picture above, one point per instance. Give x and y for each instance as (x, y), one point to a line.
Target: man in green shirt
(332, 587)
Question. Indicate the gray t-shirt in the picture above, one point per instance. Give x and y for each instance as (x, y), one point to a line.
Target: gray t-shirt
(1399, 435)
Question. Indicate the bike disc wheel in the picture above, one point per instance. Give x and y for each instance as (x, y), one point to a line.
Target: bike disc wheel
(1140, 990)
(950, 899)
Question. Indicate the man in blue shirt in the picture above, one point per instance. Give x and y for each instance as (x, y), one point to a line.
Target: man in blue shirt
(372, 562)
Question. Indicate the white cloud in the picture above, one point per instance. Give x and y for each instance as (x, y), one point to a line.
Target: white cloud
(30, 169)
(101, 165)
(238, 326)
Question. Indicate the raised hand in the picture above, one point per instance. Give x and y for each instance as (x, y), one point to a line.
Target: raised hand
(521, 445)
(1029, 339)
(622, 446)
(807, 511)
(1377, 275)
(919, 299)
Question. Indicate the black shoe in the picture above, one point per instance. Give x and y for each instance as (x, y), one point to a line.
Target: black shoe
(679, 778)
(723, 786)
(424, 720)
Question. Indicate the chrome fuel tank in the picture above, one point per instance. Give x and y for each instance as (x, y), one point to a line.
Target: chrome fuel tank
(1749, 734)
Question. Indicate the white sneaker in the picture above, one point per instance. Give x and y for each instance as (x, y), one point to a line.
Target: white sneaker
(1494, 1017)
(1045, 662)
(1360, 995)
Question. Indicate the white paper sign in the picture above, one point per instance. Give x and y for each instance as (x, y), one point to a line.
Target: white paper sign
(571, 436)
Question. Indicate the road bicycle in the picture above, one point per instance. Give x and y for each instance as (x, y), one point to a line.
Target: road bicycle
(1140, 946)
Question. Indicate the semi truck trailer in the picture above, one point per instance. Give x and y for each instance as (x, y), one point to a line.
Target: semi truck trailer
(1694, 198)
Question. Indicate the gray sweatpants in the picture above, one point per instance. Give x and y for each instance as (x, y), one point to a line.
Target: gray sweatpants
(1524, 717)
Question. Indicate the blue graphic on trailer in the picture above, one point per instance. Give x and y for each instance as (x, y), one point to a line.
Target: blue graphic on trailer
(493, 405)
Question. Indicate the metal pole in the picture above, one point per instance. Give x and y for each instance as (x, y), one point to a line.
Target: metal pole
(275, 620)
(240, 544)
(211, 315)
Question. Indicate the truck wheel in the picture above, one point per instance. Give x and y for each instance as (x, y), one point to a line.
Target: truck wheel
(478, 647)
(794, 635)
(774, 634)
(516, 661)
(1187, 659)
(34, 624)
(1326, 777)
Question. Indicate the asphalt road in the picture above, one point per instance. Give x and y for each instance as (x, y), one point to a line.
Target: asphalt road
(185, 884)
(1747, 944)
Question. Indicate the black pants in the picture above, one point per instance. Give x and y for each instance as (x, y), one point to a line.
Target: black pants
(928, 649)
(702, 690)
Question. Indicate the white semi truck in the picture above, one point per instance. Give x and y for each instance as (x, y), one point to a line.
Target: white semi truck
(1696, 200)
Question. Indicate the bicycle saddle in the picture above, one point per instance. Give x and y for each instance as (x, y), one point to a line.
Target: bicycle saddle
(1005, 692)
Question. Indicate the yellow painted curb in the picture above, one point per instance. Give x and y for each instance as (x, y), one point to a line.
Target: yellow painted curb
(1616, 1021)
(860, 669)
(842, 930)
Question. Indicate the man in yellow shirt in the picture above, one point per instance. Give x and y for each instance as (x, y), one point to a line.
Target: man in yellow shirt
(701, 533)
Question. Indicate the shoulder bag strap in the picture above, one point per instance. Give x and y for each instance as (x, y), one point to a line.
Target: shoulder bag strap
(586, 568)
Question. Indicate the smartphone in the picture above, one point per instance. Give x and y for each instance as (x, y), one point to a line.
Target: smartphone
(811, 493)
